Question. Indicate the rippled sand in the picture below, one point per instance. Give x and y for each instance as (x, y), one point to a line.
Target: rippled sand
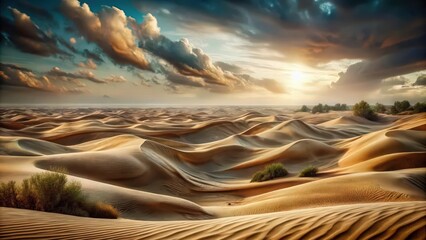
(184, 173)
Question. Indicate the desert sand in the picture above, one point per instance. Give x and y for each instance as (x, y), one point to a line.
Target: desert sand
(184, 173)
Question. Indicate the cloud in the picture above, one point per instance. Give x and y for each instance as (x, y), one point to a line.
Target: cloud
(36, 11)
(109, 30)
(92, 55)
(88, 64)
(393, 81)
(28, 37)
(368, 74)
(194, 67)
(180, 79)
(420, 81)
(116, 79)
(82, 74)
(13, 75)
(229, 67)
(307, 31)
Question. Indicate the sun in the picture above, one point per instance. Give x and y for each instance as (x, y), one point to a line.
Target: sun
(297, 78)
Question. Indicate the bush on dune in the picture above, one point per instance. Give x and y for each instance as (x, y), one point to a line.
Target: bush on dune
(271, 171)
(419, 107)
(310, 171)
(51, 192)
(380, 108)
(363, 109)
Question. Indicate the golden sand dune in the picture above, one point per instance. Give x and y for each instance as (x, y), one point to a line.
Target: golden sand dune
(189, 165)
(405, 220)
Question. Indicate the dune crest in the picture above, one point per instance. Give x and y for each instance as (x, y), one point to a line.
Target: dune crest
(185, 173)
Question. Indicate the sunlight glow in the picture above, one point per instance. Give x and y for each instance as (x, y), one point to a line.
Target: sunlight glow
(297, 78)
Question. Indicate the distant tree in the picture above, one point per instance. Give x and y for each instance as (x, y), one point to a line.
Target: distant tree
(364, 110)
(304, 109)
(318, 108)
(326, 108)
(339, 107)
(419, 107)
(380, 108)
(399, 107)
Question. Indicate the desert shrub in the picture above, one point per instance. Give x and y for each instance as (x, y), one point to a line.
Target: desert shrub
(339, 107)
(318, 108)
(419, 107)
(8, 194)
(309, 172)
(399, 107)
(271, 171)
(102, 210)
(51, 192)
(380, 108)
(304, 109)
(364, 110)
(326, 108)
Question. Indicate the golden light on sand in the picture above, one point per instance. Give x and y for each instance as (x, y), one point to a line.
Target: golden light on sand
(194, 167)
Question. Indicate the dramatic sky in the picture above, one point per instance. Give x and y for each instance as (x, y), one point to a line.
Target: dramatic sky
(283, 52)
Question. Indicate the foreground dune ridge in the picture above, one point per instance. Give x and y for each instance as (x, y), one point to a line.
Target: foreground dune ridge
(404, 220)
(180, 164)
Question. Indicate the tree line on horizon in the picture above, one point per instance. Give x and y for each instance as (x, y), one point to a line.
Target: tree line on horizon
(364, 109)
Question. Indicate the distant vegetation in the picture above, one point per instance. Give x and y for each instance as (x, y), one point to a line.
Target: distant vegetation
(399, 107)
(340, 107)
(379, 108)
(364, 110)
(304, 108)
(320, 108)
(309, 172)
(275, 170)
(51, 192)
(419, 107)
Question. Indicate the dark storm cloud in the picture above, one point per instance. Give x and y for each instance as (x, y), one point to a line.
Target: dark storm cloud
(35, 11)
(93, 55)
(367, 75)
(420, 81)
(312, 31)
(28, 37)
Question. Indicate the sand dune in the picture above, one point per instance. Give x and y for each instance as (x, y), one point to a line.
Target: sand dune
(185, 173)
(403, 220)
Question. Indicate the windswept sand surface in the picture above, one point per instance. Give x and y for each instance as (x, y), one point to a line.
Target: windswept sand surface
(184, 173)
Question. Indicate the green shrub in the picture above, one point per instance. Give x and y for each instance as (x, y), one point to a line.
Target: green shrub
(419, 107)
(339, 107)
(304, 109)
(399, 107)
(8, 194)
(380, 108)
(51, 192)
(309, 172)
(364, 110)
(271, 171)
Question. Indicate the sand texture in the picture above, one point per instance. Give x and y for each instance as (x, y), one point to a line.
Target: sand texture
(184, 173)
